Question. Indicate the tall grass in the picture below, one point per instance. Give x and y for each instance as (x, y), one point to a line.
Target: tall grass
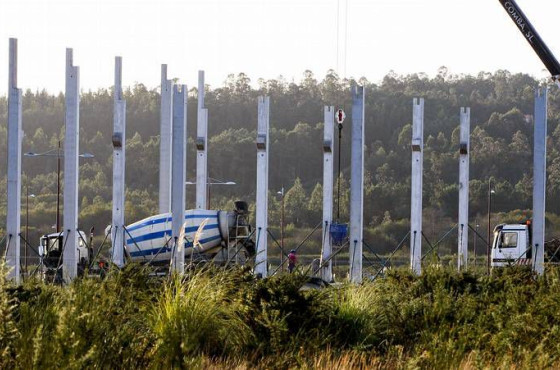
(8, 328)
(196, 314)
(213, 318)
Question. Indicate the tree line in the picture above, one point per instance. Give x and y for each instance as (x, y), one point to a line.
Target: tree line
(501, 146)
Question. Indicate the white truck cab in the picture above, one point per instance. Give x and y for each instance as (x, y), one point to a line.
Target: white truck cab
(511, 245)
(51, 248)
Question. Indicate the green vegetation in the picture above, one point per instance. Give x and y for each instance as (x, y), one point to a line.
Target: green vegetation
(501, 109)
(217, 318)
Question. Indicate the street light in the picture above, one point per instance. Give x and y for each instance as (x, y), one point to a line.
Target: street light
(489, 242)
(27, 196)
(281, 193)
(211, 181)
(56, 153)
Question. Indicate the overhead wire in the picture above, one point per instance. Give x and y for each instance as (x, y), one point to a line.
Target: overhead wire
(345, 36)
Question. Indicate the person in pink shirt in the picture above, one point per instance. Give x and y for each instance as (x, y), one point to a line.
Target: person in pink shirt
(292, 259)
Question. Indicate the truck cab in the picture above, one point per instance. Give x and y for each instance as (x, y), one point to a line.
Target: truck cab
(511, 245)
(51, 247)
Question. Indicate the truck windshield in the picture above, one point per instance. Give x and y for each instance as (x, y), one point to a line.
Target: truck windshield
(508, 240)
(54, 244)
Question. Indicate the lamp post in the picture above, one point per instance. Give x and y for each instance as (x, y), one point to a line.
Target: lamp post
(27, 196)
(56, 153)
(209, 182)
(476, 225)
(489, 241)
(281, 193)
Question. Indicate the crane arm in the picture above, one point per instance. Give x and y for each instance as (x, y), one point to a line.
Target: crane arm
(533, 38)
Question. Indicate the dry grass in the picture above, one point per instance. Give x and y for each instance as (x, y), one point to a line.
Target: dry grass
(227, 319)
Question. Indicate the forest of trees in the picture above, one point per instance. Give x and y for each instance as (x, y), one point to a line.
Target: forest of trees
(501, 147)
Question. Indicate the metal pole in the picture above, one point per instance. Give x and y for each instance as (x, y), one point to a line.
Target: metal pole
(282, 231)
(474, 243)
(26, 225)
(209, 194)
(338, 177)
(489, 226)
(58, 188)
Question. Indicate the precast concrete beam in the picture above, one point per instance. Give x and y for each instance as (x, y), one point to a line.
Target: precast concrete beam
(261, 231)
(165, 143)
(71, 169)
(539, 180)
(328, 168)
(464, 155)
(119, 145)
(201, 148)
(416, 186)
(357, 184)
(14, 140)
(178, 176)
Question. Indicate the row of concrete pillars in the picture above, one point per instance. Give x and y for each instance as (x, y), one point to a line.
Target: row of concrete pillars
(417, 149)
(539, 184)
(71, 146)
(173, 170)
(69, 233)
(172, 181)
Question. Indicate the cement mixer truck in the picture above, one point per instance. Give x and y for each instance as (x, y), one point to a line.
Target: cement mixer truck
(149, 240)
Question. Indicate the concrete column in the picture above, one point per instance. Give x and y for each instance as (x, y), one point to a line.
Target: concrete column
(261, 232)
(539, 180)
(71, 164)
(14, 139)
(178, 175)
(119, 144)
(166, 118)
(357, 185)
(416, 185)
(463, 225)
(201, 147)
(328, 141)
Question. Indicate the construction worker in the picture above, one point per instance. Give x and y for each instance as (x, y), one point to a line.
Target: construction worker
(292, 259)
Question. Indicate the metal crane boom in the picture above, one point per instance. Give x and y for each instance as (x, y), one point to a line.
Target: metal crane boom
(533, 38)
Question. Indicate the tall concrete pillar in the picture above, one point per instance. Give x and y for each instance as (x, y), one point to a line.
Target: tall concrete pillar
(71, 164)
(261, 231)
(166, 119)
(201, 147)
(15, 134)
(328, 140)
(119, 144)
(357, 185)
(463, 225)
(416, 185)
(539, 180)
(179, 175)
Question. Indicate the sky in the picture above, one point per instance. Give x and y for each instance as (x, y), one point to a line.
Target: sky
(265, 39)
